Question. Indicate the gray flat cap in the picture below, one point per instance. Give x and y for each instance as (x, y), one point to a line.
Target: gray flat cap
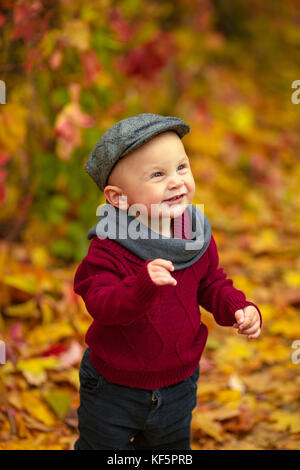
(125, 136)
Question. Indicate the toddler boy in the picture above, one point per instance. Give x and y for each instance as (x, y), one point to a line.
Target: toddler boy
(142, 282)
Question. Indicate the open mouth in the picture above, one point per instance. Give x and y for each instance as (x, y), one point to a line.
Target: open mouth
(175, 199)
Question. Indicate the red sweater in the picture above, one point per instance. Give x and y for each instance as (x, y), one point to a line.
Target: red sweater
(144, 335)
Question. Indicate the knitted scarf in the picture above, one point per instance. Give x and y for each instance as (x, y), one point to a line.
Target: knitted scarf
(192, 234)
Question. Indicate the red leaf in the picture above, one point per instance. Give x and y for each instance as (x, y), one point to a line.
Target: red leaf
(65, 129)
(2, 19)
(2, 193)
(92, 66)
(4, 157)
(123, 29)
(15, 331)
(149, 58)
(56, 59)
(29, 20)
(55, 350)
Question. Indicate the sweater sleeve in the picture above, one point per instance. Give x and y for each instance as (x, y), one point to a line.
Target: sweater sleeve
(217, 294)
(108, 298)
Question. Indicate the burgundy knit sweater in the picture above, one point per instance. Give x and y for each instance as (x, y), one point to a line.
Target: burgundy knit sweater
(144, 335)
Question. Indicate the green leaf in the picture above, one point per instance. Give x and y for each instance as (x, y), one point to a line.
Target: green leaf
(60, 96)
(62, 248)
(59, 401)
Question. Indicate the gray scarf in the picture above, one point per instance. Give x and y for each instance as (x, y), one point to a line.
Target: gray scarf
(147, 244)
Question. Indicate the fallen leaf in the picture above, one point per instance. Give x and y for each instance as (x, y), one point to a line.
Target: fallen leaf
(24, 283)
(27, 309)
(33, 404)
(59, 401)
(72, 356)
(286, 421)
(34, 369)
(235, 383)
(204, 421)
(49, 333)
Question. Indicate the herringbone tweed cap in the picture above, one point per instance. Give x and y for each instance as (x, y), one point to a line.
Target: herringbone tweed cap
(125, 136)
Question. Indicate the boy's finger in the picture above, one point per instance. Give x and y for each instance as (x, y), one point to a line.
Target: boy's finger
(248, 319)
(161, 270)
(247, 331)
(255, 335)
(245, 325)
(167, 280)
(165, 263)
(239, 316)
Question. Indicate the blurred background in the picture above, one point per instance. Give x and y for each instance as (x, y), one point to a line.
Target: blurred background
(69, 71)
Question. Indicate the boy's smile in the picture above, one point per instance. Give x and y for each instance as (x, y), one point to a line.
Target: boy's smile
(153, 175)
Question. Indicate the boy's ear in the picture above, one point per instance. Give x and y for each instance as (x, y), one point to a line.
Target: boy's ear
(114, 195)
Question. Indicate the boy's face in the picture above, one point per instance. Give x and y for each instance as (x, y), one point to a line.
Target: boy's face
(154, 172)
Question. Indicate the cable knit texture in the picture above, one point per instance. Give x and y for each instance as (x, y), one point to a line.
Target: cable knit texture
(144, 335)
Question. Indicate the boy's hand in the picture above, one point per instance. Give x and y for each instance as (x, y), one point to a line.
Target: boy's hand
(159, 272)
(248, 321)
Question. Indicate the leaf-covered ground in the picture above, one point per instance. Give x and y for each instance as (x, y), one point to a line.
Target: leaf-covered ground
(74, 69)
(248, 390)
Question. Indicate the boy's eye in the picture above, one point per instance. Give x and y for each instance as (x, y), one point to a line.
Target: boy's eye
(159, 172)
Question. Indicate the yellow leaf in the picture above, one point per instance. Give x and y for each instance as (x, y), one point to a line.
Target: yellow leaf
(28, 444)
(292, 278)
(34, 369)
(267, 311)
(271, 352)
(267, 241)
(241, 119)
(34, 405)
(39, 256)
(207, 389)
(210, 142)
(260, 382)
(286, 421)
(77, 33)
(49, 333)
(203, 420)
(227, 396)
(223, 413)
(70, 375)
(243, 284)
(47, 311)
(27, 309)
(6, 369)
(35, 378)
(14, 399)
(59, 401)
(24, 283)
(241, 445)
(12, 126)
(81, 324)
(37, 364)
(104, 80)
(289, 328)
(233, 353)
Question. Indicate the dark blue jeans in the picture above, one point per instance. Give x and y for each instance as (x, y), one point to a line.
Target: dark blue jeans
(111, 415)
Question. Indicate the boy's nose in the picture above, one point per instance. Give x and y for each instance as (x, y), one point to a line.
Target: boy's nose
(177, 185)
(175, 179)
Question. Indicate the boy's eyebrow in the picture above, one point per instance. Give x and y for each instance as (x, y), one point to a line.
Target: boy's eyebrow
(157, 165)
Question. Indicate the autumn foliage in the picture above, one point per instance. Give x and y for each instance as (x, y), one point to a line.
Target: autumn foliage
(72, 69)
